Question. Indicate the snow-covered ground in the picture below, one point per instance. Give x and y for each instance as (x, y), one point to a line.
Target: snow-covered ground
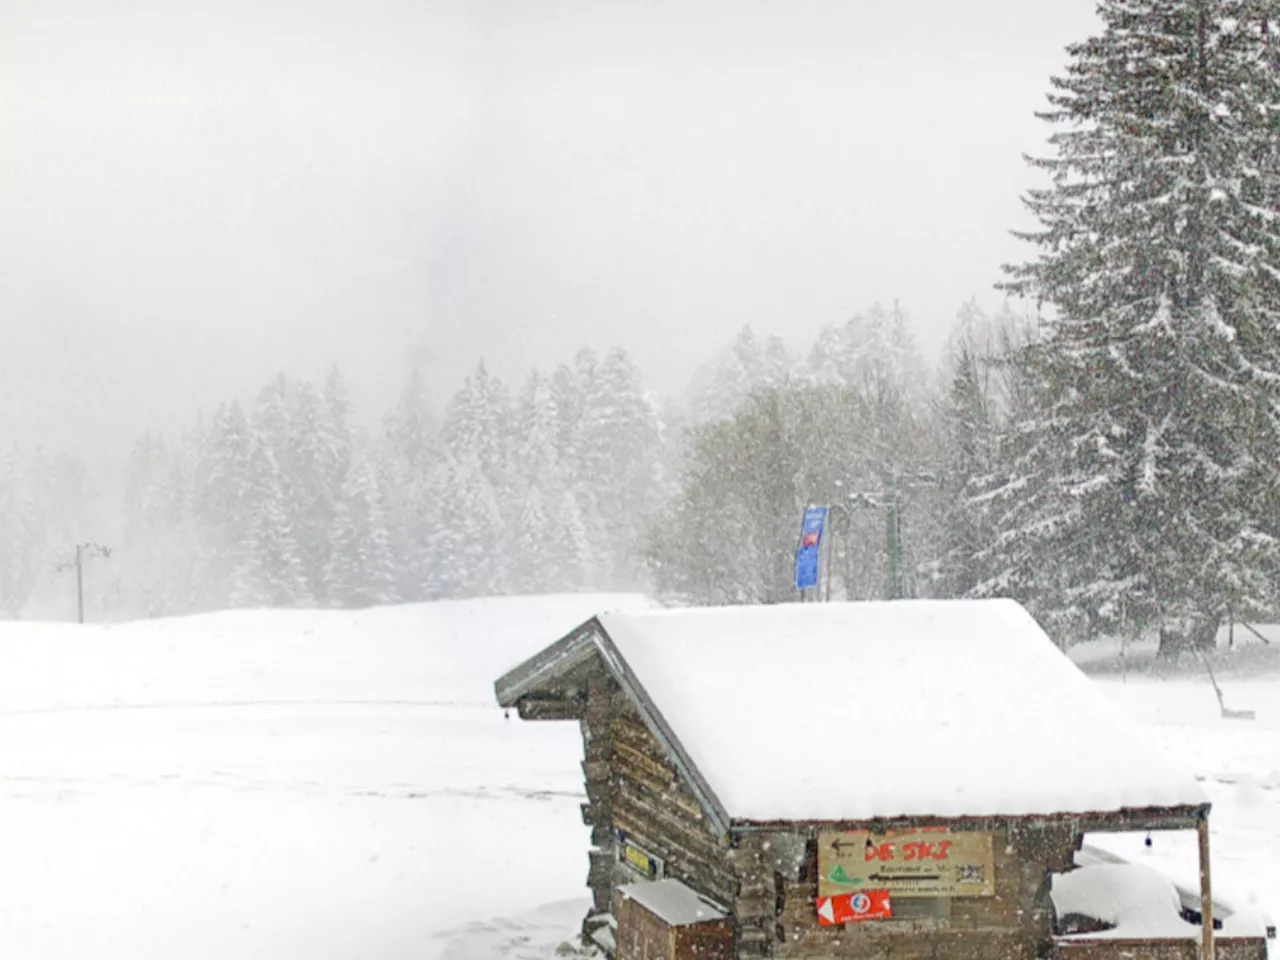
(339, 785)
(283, 785)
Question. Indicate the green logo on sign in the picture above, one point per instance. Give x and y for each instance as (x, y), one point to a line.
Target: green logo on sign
(838, 876)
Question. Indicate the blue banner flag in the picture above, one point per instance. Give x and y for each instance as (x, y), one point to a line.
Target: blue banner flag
(815, 518)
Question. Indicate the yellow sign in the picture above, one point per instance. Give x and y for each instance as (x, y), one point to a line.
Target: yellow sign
(642, 861)
(907, 863)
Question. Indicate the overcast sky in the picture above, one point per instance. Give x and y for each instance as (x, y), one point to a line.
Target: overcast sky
(195, 194)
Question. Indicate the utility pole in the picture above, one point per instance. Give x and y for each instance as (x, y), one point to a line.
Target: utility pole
(83, 550)
(893, 586)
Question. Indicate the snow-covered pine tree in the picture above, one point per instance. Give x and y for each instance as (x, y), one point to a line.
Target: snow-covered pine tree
(1145, 485)
(871, 347)
(313, 457)
(568, 395)
(360, 571)
(721, 385)
(478, 432)
(269, 571)
(618, 464)
(467, 547)
(478, 423)
(21, 534)
(409, 459)
(967, 436)
(535, 568)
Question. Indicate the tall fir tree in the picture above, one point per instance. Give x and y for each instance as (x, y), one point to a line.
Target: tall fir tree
(410, 464)
(1145, 485)
(965, 416)
(270, 571)
(21, 533)
(360, 571)
(618, 463)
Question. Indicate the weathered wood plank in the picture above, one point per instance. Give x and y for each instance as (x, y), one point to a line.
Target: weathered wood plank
(550, 708)
(635, 807)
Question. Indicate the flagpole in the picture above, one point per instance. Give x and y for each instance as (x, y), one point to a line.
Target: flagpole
(830, 533)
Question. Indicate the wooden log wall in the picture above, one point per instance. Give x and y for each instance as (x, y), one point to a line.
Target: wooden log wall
(757, 903)
(597, 812)
(633, 788)
(654, 808)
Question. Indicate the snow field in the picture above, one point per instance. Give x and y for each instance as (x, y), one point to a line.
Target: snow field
(280, 785)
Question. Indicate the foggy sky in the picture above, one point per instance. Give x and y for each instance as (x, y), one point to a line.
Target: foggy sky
(195, 194)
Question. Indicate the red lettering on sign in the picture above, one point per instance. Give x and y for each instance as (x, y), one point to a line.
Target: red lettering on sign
(882, 852)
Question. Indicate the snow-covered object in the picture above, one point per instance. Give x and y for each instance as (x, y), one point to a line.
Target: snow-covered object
(1135, 901)
(673, 902)
(1230, 921)
(850, 711)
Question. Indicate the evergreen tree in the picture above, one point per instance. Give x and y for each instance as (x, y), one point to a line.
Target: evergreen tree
(478, 423)
(467, 545)
(535, 565)
(410, 458)
(875, 347)
(315, 456)
(967, 437)
(21, 534)
(360, 571)
(1147, 483)
(618, 463)
(269, 572)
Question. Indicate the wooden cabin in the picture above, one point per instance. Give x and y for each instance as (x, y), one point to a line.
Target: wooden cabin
(861, 780)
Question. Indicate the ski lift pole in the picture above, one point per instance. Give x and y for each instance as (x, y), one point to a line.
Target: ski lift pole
(94, 549)
(893, 545)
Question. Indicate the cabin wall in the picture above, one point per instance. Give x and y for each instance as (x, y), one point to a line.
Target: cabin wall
(652, 806)
(781, 869)
(634, 791)
(1226, 948)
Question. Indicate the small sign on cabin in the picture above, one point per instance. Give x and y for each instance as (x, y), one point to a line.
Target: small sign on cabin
(854, 908)
(907, 863)
(640, 860)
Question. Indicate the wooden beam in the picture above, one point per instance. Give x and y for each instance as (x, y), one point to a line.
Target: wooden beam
(1207, 950)
(1184, 817)
(551, 708)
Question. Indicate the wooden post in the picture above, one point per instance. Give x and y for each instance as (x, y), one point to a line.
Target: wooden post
(1207, 949)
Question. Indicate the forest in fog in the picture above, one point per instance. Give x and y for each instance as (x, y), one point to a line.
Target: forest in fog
(577, 478)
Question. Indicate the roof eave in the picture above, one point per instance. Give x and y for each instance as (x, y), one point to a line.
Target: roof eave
(565, 654)
(1177, 817)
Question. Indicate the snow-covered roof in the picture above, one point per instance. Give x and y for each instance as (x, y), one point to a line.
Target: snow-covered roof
(863, 711)
(673, 902)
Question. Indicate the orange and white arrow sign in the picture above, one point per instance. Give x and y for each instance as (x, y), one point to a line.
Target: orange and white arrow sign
(854, 907)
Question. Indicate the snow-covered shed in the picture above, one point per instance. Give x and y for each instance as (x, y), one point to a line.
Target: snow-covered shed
(847, 779)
